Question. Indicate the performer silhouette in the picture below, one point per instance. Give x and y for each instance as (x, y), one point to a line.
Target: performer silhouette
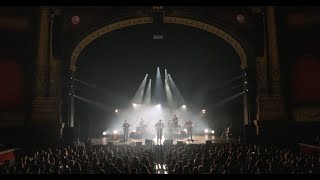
(159, 128)
(175, 123)
(125, 127)
(189, 125)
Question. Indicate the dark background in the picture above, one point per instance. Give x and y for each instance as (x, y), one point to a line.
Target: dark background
(199, 62)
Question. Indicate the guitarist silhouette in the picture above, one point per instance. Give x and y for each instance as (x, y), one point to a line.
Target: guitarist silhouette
(159, 128)
(189, 125)
(125, 127)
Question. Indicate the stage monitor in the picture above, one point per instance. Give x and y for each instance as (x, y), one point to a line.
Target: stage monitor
(179, 143)
(168, 142)
(208, 142)
(149, 142)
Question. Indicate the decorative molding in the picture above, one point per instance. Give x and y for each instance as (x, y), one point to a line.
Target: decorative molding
(262, 78)
(145, 20)
(306, 114)
(214, 30)
(271, 108)
(91, 37)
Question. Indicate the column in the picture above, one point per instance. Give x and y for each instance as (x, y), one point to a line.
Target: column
(262, 63)
(272, 124)
(42, 55)
(273, 53)
(45, 109)
(54, 62)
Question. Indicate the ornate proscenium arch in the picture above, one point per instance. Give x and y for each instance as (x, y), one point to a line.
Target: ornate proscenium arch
(170, 20)
(104, 30)
(145, 20)
(214, 30)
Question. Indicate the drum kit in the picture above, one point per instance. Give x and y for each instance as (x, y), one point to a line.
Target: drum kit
(141, 129)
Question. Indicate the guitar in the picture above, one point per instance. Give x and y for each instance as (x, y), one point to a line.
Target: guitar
(175, 121)
(126, 126)
(159, 126)
(189, 125)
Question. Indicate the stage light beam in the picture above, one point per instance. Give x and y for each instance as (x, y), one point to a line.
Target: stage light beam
(147, 97)
(178, 98)
(138, 97)
(158, 90)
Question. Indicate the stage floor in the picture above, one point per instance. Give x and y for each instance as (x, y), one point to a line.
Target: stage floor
(197, 139)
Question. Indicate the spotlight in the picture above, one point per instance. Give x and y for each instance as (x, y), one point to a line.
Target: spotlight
(104, 133)
(184, 106)
(206, 131)
(116, 110)
(115, 132)
(246, 82)
(203, 111)
(212, 131)
(134, 104)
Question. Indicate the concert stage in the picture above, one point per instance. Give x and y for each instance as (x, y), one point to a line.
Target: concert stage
(197, 139)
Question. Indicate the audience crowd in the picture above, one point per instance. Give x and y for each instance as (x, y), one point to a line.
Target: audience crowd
(177, 159)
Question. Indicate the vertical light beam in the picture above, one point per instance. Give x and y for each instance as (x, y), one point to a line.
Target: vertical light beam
(158, 88)
(137, 98)
(147, 97)
(176, 92)
(169, 94)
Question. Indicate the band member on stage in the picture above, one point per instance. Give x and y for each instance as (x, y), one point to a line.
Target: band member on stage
(159, 128)
(141, 123)
(125, 127)
(189, 126)
(175, 123)
(142, 127)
